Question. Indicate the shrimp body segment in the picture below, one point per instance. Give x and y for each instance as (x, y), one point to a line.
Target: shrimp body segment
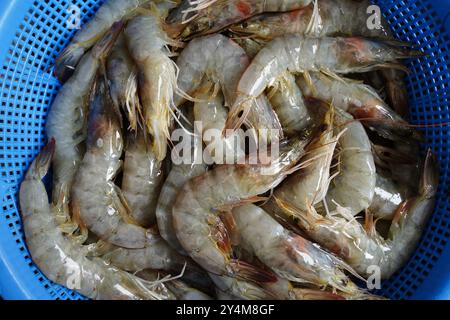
(196, 213)
(58, 257)
(142, 180)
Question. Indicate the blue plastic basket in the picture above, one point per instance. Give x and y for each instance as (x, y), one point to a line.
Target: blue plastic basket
(34, 32)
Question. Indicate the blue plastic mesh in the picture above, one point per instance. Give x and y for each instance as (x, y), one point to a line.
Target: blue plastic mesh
(27, 89)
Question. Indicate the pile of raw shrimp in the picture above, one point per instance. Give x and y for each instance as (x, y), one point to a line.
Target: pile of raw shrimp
(344, 200)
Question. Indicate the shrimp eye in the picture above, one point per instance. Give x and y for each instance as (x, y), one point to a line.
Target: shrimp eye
(245, 24)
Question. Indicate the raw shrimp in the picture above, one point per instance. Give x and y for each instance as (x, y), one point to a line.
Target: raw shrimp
(66, 122)
(209, 111)
(142, 179)
(122, 74)
(211, 16)
(410, 220)
(240, 289)
(158, 255)
(387, 198)
(334, 20)
(109, 13)
(289, 255)
(342, 234)
(354, 185)
(223, 62)
(178, 176)
(196, 218)
(288, 103)
(359, 100)
(157, 76)
(60, 259)
(95, 197)
(295, 54)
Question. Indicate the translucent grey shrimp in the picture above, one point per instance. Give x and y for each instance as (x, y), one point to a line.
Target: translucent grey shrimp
(157, 75)
(334, 20)
(61, 259)
(354, 185)
(289, 255)
(223, 62)
(122, 74)
(288, 103)
(95, 197)
(67, 119)
(196, 213)
(109, 13)
(296, 54)
(142, 179)
(359, 100)
(194, 18)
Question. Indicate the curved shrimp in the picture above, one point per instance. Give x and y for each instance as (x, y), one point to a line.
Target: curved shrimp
(95, 197)
(296, 54)
(359, 100)
(122, 74)
(66, 121)
(354, 185)
(289, 255)
(194, 18)
(223, 62)
(196, 218)
(58, 257)
(109, 13)
(142, 180)
(157, 76)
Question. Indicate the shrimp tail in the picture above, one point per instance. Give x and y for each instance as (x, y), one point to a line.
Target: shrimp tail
(311, 294)
(430, 176)
(104, 46)
(41, 163)
(248, 272)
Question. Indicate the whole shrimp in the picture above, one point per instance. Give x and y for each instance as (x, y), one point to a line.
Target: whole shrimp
(296, 54)
(354, 185)
(157, 75)
(287, 101)
(109, 13)
(142, 180)
(95, 197)
(359, 100)
(362, 248)
(67, 118)
(289, 255)
(223, 62)
(122, 74)
(197, 222)
(334, 20)
(194, 18)
(58, 257)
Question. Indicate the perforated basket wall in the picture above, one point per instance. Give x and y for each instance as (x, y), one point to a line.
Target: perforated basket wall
(34, 32)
